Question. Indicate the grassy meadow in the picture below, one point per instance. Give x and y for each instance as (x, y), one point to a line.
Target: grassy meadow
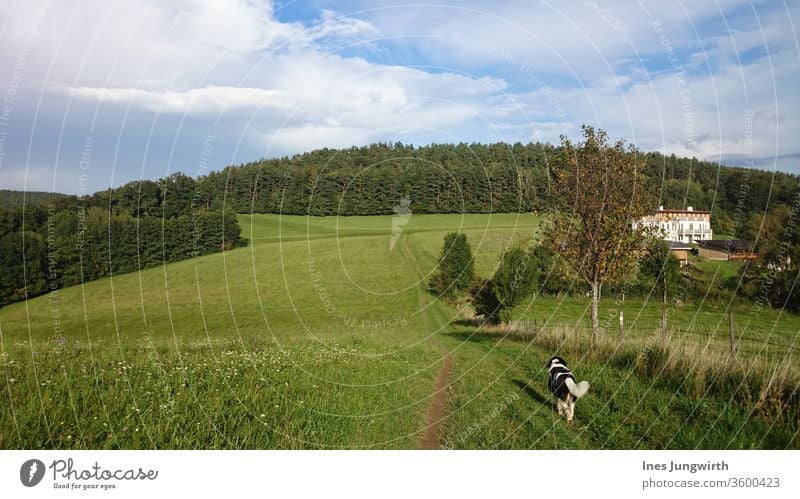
(322, 334)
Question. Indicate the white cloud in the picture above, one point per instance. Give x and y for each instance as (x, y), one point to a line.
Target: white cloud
(334, 26)
(580, 62)
(517, 72)
(208, 100)
(29, 178)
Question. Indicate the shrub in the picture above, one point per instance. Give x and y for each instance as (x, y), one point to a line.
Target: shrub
(456, 266)
(485, 301)
(519, 273)
(514, 279)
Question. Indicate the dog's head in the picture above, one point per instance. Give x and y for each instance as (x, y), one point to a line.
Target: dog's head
(556, 360)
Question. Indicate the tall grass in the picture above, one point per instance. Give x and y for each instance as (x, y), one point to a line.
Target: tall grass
(770, 386)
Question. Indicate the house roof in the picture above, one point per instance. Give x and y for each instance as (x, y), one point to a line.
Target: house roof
(725, 244)
(676, 245)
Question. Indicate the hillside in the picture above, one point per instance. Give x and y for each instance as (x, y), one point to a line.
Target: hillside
(151, 222)
(318, 335)
(436, 178)
(13, 199)
(474, 178)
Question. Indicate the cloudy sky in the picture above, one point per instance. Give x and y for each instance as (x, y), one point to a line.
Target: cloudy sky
(96, 93)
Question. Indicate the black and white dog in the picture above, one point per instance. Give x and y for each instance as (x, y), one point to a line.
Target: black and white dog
(564, 387)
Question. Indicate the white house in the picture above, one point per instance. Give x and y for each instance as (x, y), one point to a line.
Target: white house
(685, 226)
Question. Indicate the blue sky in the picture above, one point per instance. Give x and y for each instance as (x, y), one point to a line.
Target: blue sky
(118, 91)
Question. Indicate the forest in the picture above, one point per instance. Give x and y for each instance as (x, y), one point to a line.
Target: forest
(473, 178)
(62, 241)
(66, 240)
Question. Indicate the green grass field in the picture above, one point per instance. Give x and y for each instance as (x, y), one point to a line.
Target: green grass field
(321, 334)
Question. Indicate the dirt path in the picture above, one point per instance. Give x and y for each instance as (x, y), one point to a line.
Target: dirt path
(436, 412)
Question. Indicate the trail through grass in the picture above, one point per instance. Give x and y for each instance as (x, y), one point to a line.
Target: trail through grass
(321, 335)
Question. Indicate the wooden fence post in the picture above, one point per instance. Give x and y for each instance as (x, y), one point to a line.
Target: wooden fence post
(732, 335)
(621, 327)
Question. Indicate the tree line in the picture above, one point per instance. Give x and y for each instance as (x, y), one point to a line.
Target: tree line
(68, 240)
(475, 178)
(149, 222)
(437, 178)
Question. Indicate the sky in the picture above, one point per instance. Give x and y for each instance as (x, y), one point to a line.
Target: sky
(98, 93)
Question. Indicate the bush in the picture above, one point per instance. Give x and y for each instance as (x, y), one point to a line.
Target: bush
(514, 279)
(519, 273)
(485, 301)
(456, 266)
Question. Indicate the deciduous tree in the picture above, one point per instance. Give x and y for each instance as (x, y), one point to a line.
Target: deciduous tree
(600, 189)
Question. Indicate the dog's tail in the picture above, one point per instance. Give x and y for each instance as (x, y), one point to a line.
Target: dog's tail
(577, 390)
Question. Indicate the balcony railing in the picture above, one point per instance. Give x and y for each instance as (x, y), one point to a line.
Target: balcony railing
(693, 232)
